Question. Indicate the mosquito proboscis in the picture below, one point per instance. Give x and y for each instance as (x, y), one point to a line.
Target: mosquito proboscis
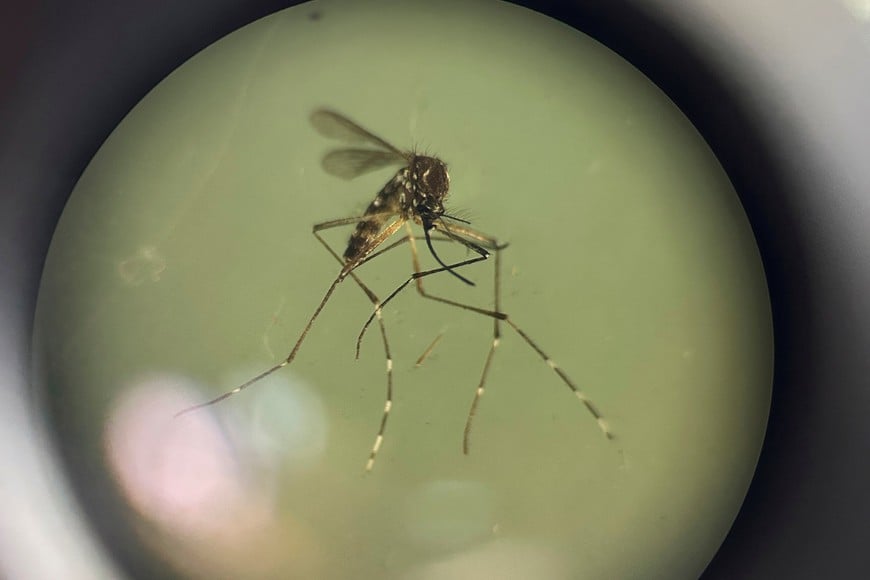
(414, 195)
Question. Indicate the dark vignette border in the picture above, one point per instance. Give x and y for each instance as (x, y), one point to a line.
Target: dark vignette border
(79, 67)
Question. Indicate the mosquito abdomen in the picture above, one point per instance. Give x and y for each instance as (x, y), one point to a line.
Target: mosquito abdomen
(385, 205)
(360, 239)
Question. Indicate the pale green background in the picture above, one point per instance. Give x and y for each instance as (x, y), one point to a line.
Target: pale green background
(186, 252)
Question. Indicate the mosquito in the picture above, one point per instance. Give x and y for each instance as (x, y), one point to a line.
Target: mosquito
(414, 195)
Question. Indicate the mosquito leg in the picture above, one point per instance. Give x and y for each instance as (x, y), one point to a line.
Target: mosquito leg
(498, 316)
(593, 410)
(496, 331)
(478, 393)
(388, 402)
(496, 340)
(276, 367)
(302, 336)
(491, 243)
(422, 274)
(428, 350)
(404, 240)
(373, 298)
(390, 230)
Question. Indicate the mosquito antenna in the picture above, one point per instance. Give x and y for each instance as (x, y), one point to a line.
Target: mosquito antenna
(426, 228)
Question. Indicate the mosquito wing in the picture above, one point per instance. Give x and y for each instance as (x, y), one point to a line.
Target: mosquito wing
(350, 163)
(336, 126)
(353, 161)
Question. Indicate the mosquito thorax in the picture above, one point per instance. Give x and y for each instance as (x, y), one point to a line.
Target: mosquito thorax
(429, 183)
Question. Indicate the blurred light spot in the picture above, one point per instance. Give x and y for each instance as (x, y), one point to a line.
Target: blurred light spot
(448, 514)
(594, 167)
(502, 559)
(213, 495)
(146, 264)
(287, 421)
(179, 472)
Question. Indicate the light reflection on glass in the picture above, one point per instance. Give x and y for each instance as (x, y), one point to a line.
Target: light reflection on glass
(449, 514)
(177, 471)
(498, 559)
(287, 422)
(146, 265)
(212, 495)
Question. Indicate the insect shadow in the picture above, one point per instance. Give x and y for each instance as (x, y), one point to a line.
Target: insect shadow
(414, 195)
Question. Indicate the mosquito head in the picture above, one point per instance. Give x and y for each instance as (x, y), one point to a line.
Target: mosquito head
(430, 184)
